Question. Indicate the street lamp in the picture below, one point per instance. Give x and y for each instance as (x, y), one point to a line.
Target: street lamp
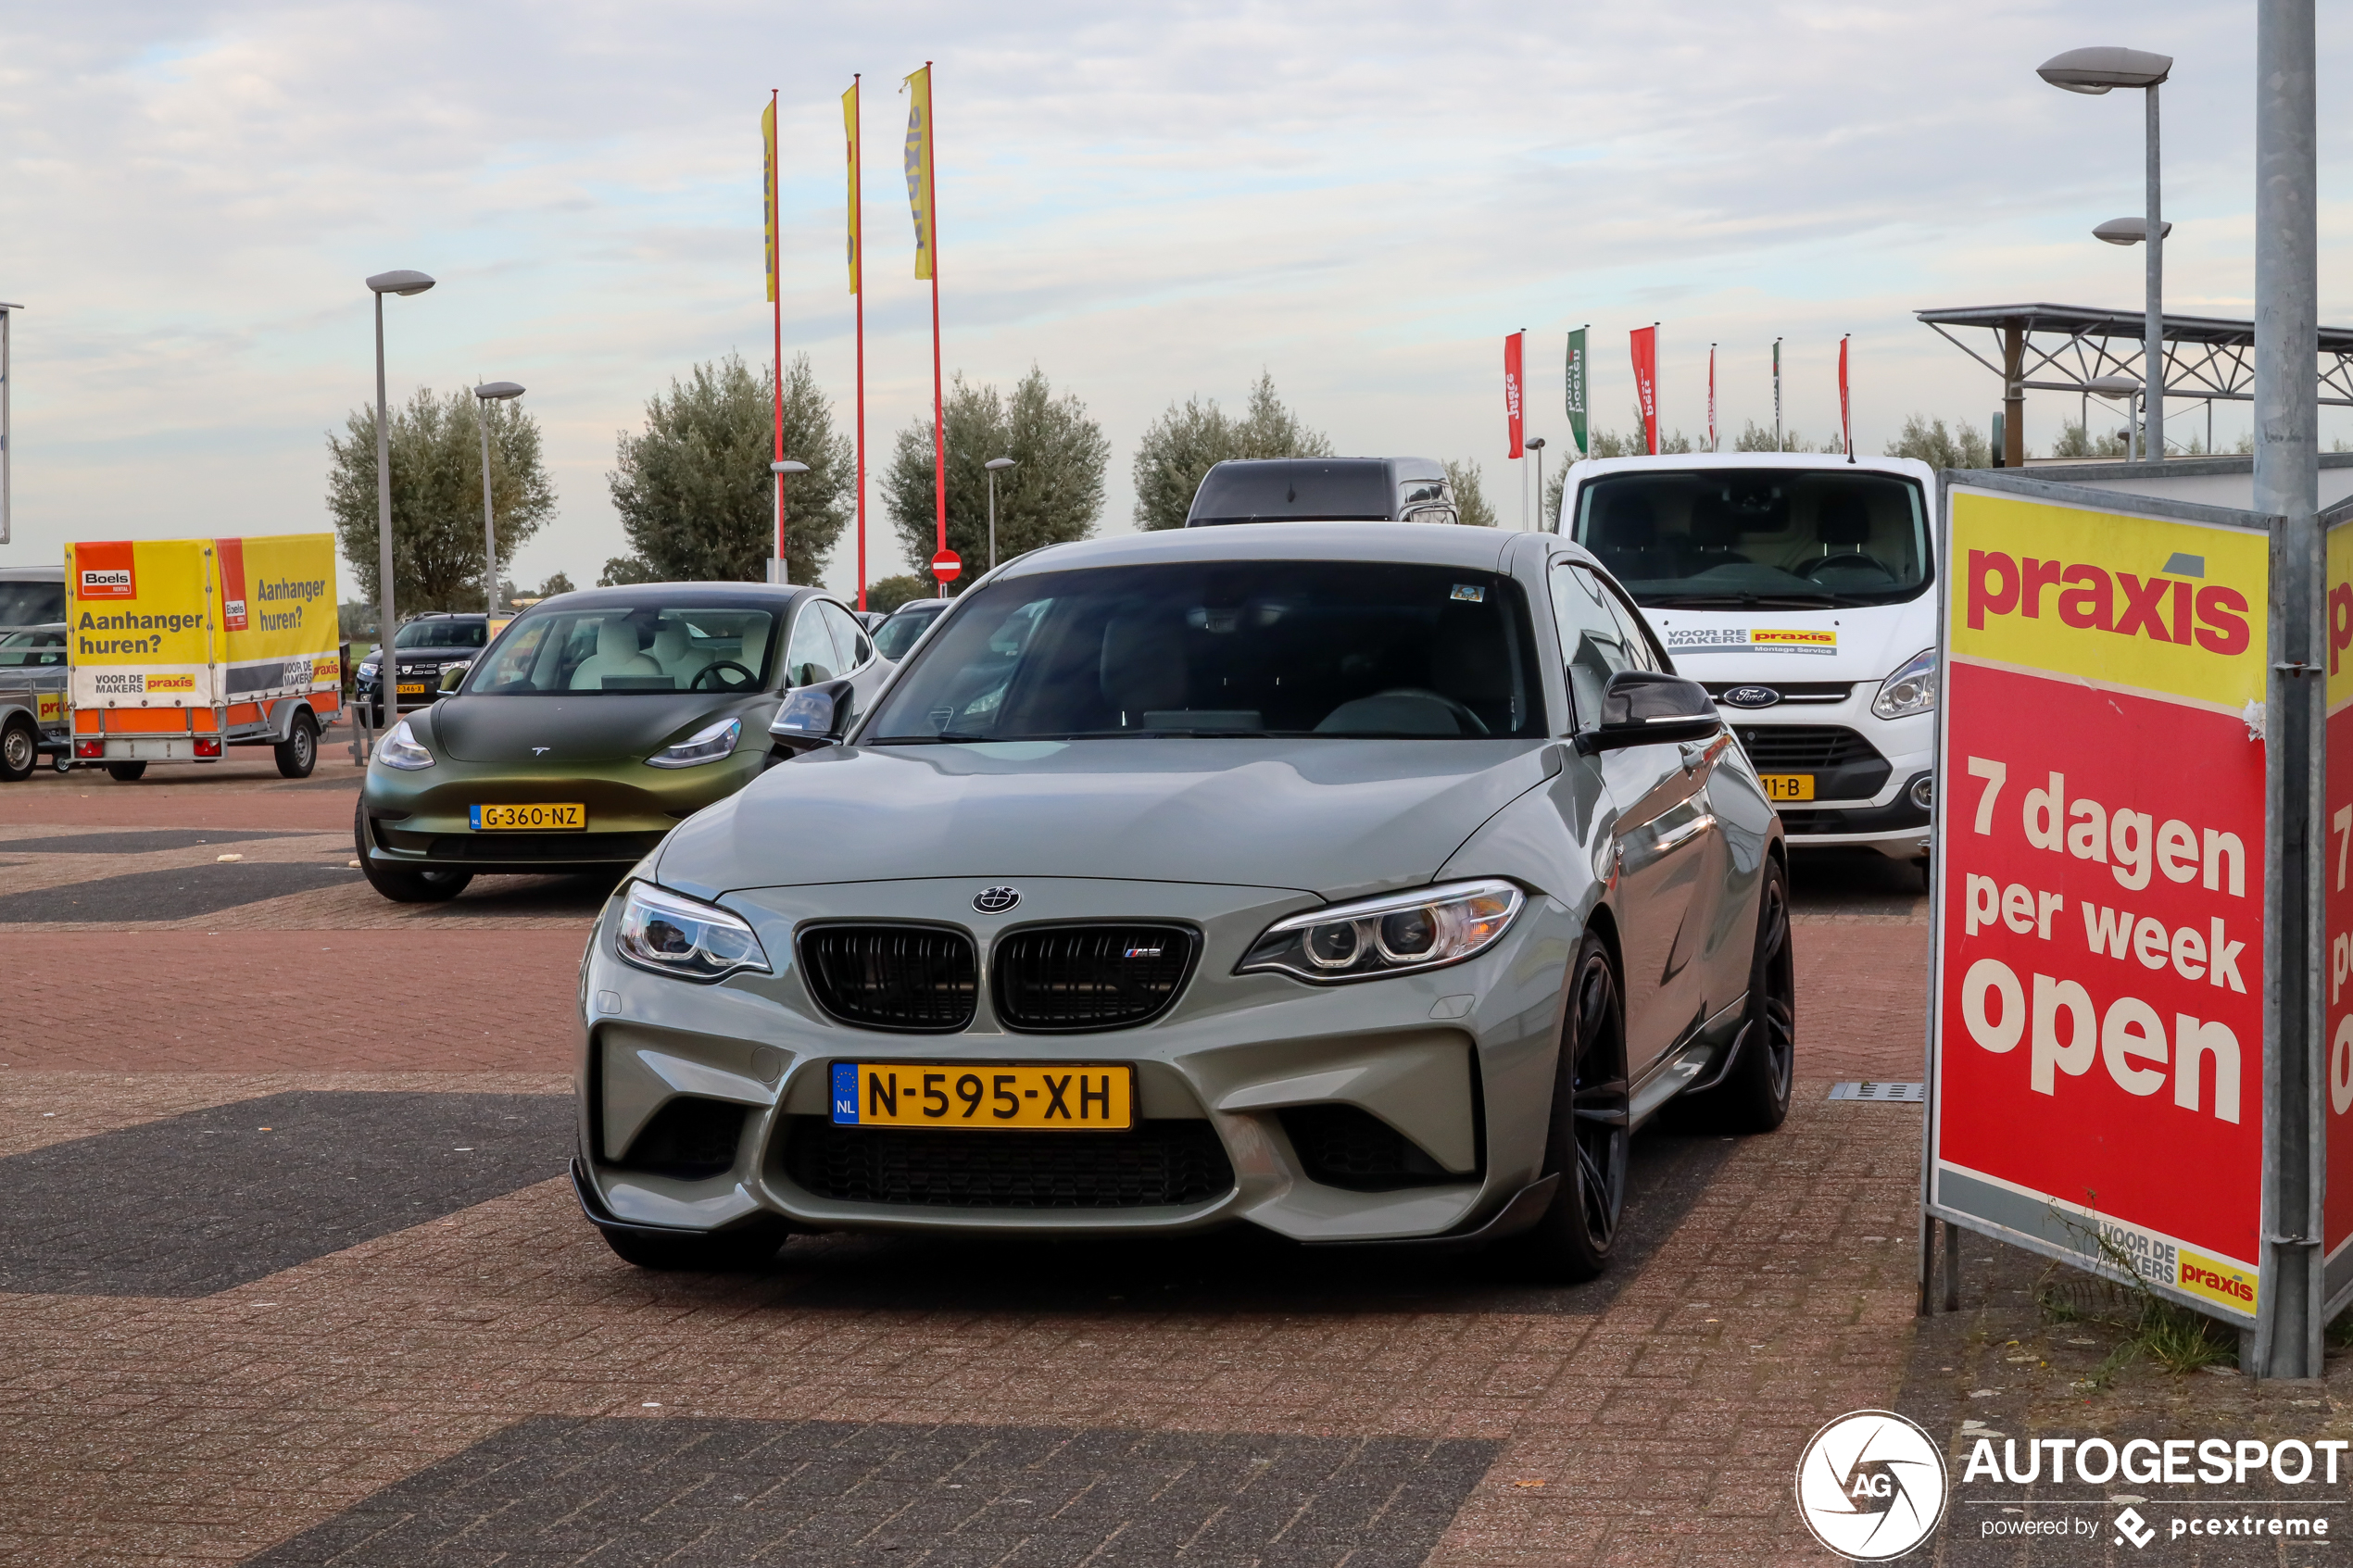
(2102, 69)
(489, 392)
(994, 466)
(387, 668)
(778, 572)
(1535, 443)
(2124, 388)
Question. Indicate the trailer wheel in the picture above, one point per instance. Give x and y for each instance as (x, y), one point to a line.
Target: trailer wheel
(397, 883)
(298, 753)
(127, 772)
(20, 751)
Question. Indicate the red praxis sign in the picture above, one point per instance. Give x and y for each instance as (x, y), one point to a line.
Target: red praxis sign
(1644, 342)
(1514, 405)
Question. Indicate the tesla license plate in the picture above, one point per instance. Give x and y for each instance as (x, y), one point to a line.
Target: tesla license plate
(1788, 786)
(1074, 1098)
(528, 819)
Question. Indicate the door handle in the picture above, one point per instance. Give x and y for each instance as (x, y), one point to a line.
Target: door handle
(1685, 834)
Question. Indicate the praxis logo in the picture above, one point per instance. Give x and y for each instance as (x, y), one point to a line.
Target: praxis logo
(1870, 1485)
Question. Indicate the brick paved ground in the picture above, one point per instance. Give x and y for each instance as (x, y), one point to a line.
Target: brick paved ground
(1653, 1418)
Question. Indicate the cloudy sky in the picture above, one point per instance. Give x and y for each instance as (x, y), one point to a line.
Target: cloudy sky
(1149, 203)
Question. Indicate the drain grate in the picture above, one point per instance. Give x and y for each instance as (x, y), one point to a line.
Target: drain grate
(1909, 1094)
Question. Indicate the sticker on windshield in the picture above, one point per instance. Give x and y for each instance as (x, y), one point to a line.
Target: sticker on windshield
(1475, 593)
(1750, 639)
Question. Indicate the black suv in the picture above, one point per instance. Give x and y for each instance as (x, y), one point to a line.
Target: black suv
(426, 646)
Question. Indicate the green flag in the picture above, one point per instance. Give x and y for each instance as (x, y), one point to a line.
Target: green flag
(1574, 385)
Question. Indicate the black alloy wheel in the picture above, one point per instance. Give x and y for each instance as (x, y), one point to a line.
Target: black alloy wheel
(1755, 1095)
(1591, 1131)
(398, 882)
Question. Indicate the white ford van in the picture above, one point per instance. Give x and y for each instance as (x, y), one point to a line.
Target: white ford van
(1801, 590)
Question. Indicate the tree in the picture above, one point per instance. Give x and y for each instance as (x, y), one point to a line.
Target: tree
(436, 495)
(889, 592)
(2076, 440)
(1052, 495)
(694, 490)
(1470, 499)
(557, 583)
(1755, 437)
(1929, 441)
(1191, 437)
(1554, 487)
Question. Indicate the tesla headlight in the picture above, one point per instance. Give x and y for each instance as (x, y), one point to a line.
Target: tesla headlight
(1910, 690)
(399, 749)
(1392, 935)
(672, 934)
(704, 745)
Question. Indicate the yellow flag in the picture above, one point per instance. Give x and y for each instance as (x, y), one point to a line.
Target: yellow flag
(919, 186)
(849, 126)
(768, 188)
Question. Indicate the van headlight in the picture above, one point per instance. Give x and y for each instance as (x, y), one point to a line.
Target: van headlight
(399, 749)
(1910, 690)
(672, 934)
(1394, 935)
(704, 745)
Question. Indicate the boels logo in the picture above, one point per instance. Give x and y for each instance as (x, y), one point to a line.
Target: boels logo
(2160, 607)
(104, 571)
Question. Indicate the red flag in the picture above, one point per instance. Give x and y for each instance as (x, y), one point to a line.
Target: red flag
(1645, 343)
(1514, 406)
(1845, 413)
(1711, 398)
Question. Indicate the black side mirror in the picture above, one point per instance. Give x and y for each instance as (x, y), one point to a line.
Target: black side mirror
(813, 716)
(1642, 708)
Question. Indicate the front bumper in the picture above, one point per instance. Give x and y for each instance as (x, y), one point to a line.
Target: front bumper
(1887, 819)
(1458, 1061)
(424, 820)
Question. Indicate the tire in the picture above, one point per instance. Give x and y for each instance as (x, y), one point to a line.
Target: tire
(298, 753)
(397, 883)
(20, 751)
(1589, 1135)
(126, 773)
(731, 1251)
(1755, 1096)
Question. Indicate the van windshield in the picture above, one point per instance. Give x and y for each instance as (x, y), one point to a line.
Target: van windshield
(1710, 538)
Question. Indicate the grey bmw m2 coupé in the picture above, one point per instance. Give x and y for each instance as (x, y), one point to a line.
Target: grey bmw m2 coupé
(1356, 881)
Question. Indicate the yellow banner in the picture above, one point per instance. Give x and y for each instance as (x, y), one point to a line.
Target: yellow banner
(2340, 589)
(139, 623)
(857, 180)
(920, 196)
(768, 187)
(278, 609)
(2174, 610)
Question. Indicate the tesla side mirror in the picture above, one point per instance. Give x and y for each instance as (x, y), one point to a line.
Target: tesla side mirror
(1644, 707)
(813, 716)
(450, 677)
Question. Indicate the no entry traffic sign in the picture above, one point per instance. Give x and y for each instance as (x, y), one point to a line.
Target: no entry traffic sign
(945, 565)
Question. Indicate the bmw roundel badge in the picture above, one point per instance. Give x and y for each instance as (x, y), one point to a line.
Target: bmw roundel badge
(1751, 696)
(996, 900)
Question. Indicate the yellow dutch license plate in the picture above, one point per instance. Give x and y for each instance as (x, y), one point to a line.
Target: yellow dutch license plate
(529, 818)
(414, 688)
(1788, 786)
(1065, 1098)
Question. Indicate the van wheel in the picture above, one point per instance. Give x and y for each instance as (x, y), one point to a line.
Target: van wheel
(1589, 1138)
(127, 772)
(397, 883)
(20, 751)
(298, 753)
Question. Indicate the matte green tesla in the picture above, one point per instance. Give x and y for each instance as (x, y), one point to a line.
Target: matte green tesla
(594, 724)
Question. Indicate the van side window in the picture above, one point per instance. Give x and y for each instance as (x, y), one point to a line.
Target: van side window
(1595, 643)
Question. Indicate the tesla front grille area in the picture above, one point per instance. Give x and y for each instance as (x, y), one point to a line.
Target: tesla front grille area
(914, 979)
(1157, 1164)
(1078, 977)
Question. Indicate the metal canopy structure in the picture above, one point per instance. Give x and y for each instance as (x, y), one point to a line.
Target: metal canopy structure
(2070, 347)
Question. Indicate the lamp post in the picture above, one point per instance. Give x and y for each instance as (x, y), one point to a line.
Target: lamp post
(2124, 388)
(2102, 69)
(487, 394)
(5, 443)
(995, 466)
(1535, 443)
(387, 668)
(779, 570)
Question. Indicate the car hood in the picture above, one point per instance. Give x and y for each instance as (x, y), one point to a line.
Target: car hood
(590, 727)
(1335, 817)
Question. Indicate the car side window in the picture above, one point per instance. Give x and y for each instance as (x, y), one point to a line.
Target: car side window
(810, 657)
(1637, 640)
(1595, 640)
(849, 643)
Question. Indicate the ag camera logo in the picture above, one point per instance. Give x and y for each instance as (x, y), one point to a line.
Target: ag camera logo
(1870, 1485)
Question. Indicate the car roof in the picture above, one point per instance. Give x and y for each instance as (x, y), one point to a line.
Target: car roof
(1683, 462)
(683, 594)
(1432, 544)
(32, 575)
(923, 606)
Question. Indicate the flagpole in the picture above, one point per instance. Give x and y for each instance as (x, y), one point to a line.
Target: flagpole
(858, 290)
(1711, 398)
(1777, 394)
(777, 303)
(938, 406)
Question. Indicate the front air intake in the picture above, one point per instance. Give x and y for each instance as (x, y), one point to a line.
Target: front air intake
(912, 979)
(1070, 978)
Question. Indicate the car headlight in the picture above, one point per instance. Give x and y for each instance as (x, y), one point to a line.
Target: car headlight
(704, 745)
(672, 934)
(1392, 935)
(399, 749)
(1910, 690)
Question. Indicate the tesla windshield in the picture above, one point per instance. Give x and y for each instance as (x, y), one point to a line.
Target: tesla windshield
(649, 647)
(1705, 539)
(1201, 648)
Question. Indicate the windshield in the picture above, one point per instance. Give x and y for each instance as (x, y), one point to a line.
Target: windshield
(442, 634)
(1204, 648)
(1293, 490)
(615, 647)
(899, 633)
(32, 604)
(1731, 537)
